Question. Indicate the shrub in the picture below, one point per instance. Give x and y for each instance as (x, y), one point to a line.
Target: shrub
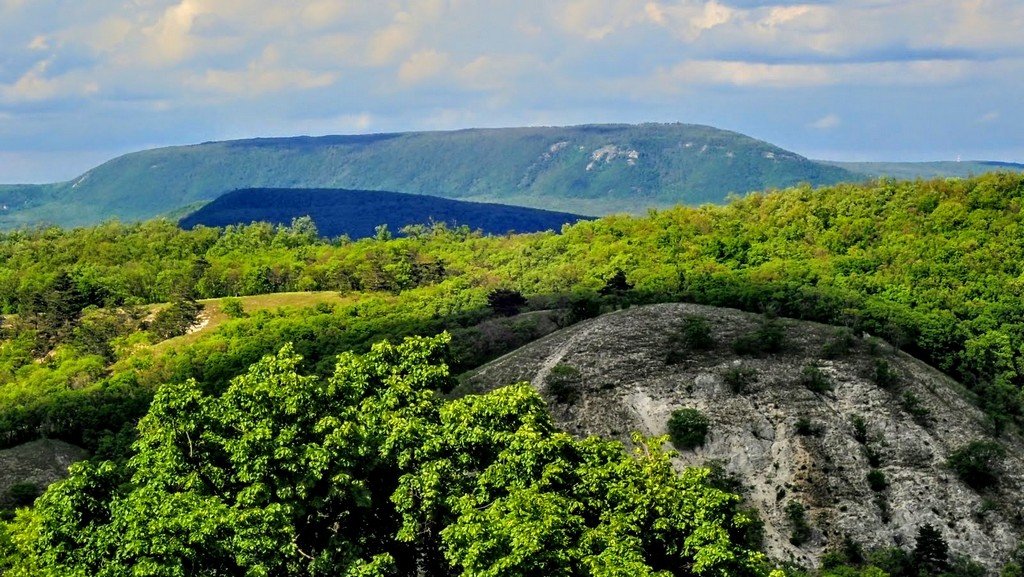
(505, 302)
(563, 384)
(814, 380)
(769, 337)
(874, 457)
(912, 405)
(695, 333)
(721, 479)
(22, 494)
(801, 529)
(877, 480)
(839, 345)
(232, 307)
(687, 428)
(739, 378)
(806, 428)
(860, 429)
(883, 375)
(176, 319)
(978, 464)
(582, 308)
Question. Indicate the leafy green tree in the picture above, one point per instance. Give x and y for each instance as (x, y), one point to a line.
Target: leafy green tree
(616, 285)
(176, 318)
(506, 302)
(370, 473)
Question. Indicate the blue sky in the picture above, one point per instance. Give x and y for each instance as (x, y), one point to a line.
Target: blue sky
(83, 81)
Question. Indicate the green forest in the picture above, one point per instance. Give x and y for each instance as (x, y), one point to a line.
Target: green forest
(252, 448)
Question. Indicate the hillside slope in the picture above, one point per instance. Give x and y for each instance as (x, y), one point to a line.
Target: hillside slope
(925, 170)
(784, 442)
(584, 169)
(357, 212)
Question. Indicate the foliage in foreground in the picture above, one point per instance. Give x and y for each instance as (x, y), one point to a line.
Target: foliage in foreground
(368, 472)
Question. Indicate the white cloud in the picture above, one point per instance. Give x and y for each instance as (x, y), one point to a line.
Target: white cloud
(37, 85)
(827, 122)
(757, 74)
(261, 76)
(422, 65)
(446, 63)
(991, 116)
(170, 37)
(39, 43)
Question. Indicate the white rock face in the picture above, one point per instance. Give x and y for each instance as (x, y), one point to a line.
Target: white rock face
(628, 386)
(607, 154)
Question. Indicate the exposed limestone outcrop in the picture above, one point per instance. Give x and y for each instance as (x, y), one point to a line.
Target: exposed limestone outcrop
(782, 440)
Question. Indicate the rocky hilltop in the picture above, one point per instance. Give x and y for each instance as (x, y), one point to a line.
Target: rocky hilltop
(847, 430)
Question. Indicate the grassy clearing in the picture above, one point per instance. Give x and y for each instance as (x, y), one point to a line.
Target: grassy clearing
(213, 315)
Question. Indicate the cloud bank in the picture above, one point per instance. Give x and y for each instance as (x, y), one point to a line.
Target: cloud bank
(909, 80)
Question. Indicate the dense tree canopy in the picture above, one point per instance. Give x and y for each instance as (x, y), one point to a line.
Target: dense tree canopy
(368, 472)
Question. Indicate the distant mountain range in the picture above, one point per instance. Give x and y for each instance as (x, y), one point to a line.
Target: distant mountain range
(357, 213)
(912, 170)
(594, 170)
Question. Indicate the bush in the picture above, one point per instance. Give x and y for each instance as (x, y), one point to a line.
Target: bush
(695, 333)
(582, 308)
(912, 405)
(176, 319)
(874, 457)
(806, 428)
(860, 429)
(232, 307)
(877, 481)
(769, 337)
(739, 378)
(687, 428)
(801, 529)
(839, 345)
(22, 494)
(505, 302)
(883, 375)
(563, 384)
(978, 464)
(814, 380)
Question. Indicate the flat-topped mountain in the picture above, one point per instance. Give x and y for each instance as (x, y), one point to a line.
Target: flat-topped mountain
(591, 170)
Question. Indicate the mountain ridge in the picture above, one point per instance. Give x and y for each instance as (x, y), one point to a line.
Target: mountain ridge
(587, 169)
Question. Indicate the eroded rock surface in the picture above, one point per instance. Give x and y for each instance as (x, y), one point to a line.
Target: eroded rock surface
(912, 426)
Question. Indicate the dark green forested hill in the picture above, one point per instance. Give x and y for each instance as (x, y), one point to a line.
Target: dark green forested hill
(358, 213)
(583, 169)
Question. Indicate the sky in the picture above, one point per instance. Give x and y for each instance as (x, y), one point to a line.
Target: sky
(82, 81)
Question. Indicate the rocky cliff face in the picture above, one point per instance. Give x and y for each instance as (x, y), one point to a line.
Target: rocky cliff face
(788, 433)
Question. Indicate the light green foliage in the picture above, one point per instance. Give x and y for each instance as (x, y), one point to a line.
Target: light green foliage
(367, 473)
(233, 308)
